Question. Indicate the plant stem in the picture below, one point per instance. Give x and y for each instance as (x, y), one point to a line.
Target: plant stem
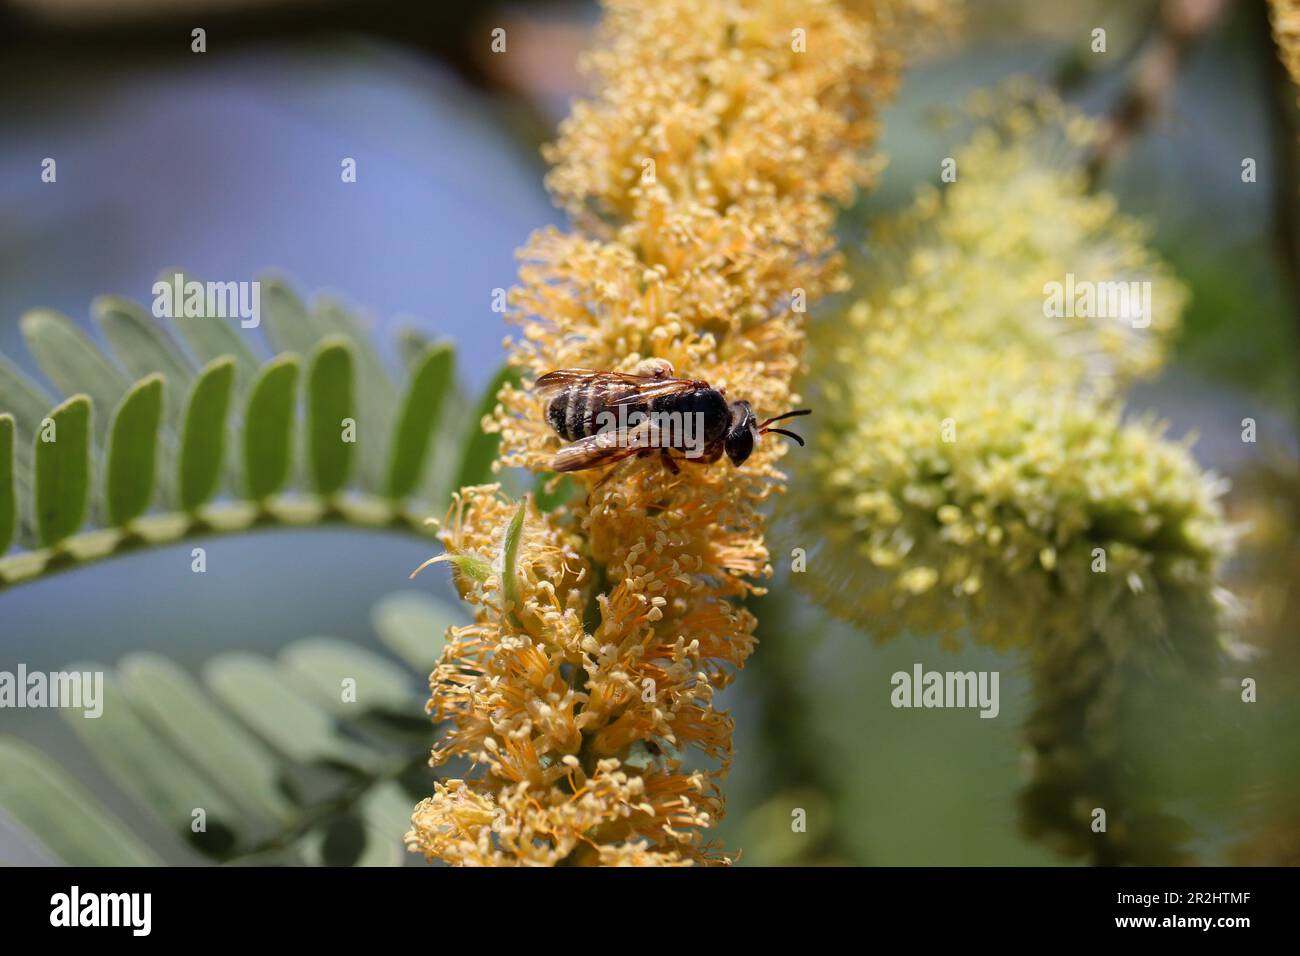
(161, 530)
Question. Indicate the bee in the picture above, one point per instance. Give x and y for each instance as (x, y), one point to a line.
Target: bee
(612, 416)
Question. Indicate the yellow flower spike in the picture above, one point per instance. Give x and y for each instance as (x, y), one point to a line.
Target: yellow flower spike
(703, 175)
(1285, 17)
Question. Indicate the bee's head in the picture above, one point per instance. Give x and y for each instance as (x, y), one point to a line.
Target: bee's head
(744, 429)
(742, 433)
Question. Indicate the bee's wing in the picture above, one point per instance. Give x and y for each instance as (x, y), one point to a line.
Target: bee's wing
(606, 448)
(614, 388)
(647, 389)
(564, 378)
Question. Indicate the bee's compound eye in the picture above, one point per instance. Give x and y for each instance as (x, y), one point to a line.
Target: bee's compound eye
(740, 445)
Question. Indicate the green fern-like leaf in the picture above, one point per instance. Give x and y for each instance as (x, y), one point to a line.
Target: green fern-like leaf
(199, 426)
(132, 451)
(314, 757)
(203, 444)
(41, 797)
(63, 470)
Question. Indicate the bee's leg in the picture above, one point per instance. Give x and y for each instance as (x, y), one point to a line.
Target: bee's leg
(668, 461)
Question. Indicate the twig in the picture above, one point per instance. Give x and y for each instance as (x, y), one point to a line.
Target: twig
(1075, 72)
(1179, 25)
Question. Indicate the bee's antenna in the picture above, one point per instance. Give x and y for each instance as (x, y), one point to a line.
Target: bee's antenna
(782, 431)
(777, 418)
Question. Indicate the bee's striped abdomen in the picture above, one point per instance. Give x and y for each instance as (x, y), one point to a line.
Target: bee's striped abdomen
(573, 413)
(557, 414)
